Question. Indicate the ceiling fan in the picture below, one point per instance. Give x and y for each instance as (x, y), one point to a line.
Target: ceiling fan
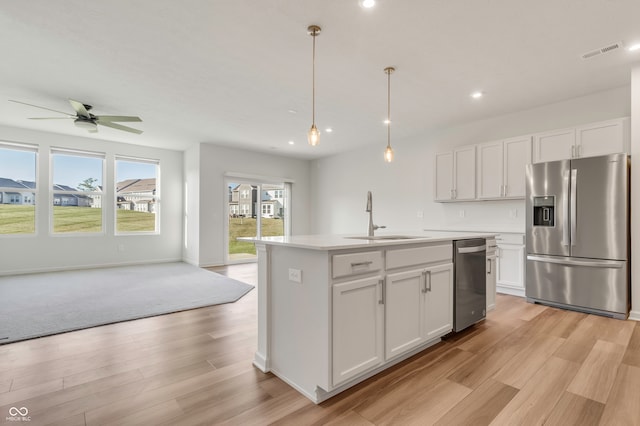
(85, 120)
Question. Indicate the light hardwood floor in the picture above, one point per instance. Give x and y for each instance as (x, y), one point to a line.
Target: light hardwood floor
(525, 364)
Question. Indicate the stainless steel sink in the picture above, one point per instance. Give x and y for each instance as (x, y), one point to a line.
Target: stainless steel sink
(384, 237)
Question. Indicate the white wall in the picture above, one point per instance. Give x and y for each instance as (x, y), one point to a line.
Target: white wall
(44, 252)
(206, 239)
(404, 188)
(635, 194)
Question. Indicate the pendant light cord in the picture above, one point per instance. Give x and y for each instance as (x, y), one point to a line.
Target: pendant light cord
(313, 81)
(388, 107)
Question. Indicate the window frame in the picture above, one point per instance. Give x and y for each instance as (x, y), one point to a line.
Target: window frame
(156, 197)
(52, 192)
(35, 149)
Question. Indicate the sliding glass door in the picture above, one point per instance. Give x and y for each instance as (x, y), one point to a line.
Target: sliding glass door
(254, 209)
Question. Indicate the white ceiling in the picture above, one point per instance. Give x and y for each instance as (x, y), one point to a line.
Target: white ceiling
(228, 71)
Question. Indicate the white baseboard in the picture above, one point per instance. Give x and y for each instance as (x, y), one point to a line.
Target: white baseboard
(634, 315)
(510, 290)
(80, 267)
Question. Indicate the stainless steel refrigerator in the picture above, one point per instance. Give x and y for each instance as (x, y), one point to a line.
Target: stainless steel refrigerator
(577, 234)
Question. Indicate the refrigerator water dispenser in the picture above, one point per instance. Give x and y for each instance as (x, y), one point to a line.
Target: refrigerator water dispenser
(544, 210)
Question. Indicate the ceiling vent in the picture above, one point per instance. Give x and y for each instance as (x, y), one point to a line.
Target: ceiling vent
(606, 49)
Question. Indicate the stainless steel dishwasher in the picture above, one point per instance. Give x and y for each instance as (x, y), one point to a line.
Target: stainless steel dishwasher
(470, 293)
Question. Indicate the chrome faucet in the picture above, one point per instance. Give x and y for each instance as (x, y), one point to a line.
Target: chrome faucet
(369, 210)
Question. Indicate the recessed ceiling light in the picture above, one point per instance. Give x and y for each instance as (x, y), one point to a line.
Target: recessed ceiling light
(634, 47)
(291, 143)
(328, 130)
(292, 111)
(477, 95)
(387, 121)
(367, 4)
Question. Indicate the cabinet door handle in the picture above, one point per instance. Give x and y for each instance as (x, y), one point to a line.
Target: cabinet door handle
(488, 266)
(505, 191)
(382, 292)
(355, 264)
(429, 280)
(424, 281)
(573, 151)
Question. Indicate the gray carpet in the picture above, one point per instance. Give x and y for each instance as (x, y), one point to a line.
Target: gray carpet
(42, 304)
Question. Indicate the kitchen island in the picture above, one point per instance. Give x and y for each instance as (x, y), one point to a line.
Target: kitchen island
(334, 310)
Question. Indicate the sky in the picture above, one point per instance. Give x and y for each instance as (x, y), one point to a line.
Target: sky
(69, 170)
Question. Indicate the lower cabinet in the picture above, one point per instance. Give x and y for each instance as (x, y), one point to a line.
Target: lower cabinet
(358, 332)
(510, 264)
(438, 301)
(380, 316)
(418, 307)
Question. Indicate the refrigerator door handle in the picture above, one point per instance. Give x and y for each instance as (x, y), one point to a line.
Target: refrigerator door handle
(574, 205)
(565, 207)
(576, 262)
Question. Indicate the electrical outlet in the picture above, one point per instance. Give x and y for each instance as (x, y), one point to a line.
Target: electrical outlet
(514, 213)
(461, 213)
(120, 247)
(420, 214)
(295, 275)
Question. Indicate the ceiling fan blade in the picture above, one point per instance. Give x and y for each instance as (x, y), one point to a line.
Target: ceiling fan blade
(80, 108)
(120, 118)
(51, 118)
(119, 127)
(41, 107)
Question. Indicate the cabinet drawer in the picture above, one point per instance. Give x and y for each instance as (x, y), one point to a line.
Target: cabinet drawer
(400, 258)
(356, 263)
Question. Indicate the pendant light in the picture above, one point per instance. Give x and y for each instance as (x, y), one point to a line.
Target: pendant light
(314, 134)
(388, 153)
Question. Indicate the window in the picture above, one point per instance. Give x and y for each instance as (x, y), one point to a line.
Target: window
(17, 188)
(137, 195)
(77, 191)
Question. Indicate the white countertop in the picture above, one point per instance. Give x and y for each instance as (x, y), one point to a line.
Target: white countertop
(338, 242)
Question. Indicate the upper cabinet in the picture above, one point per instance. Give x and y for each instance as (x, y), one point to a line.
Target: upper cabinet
(605, 137)
(455, 178)
(501, 168)
(496, 170)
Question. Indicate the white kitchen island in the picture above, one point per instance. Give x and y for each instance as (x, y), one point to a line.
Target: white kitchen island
(334, 310)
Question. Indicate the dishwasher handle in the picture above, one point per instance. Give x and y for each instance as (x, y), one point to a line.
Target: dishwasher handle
(472, 249)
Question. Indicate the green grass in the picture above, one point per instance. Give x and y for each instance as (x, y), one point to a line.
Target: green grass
(132, 221)
(246, 227)
(15, 219)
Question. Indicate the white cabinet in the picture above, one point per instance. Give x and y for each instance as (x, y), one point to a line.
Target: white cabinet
(606, 137)
(510, 264)
(418, 307)
(404, 310)
(455, 172)
(358, 331)
(601, 138)
(501, 168)
(554, 145)
(438, 301)
(418, 297)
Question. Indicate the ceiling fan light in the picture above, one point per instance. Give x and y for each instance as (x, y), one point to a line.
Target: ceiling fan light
(85, 124)
(313, 136)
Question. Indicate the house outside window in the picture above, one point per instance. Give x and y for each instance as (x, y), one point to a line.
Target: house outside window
(77, 191)
(137, 195)
(17, 188)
